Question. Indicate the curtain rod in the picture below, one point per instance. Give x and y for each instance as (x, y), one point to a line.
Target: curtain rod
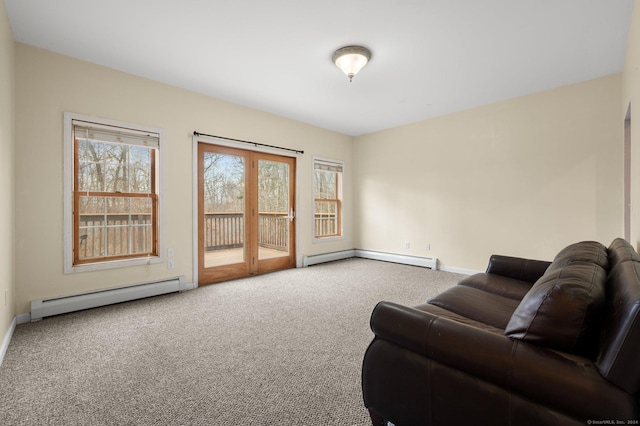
(196, 133)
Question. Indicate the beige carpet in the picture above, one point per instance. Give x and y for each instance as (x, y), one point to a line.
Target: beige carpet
(279, 349)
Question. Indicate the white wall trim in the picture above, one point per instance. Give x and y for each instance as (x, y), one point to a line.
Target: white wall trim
(296, 220)
(463, 271)
(7, 339)
(186, 286)
(194, 207)
(23, 318)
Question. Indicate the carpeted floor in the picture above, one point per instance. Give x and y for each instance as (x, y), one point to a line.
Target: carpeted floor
(280, 349)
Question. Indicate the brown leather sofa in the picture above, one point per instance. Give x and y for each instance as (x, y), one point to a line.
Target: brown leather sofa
(525, 343)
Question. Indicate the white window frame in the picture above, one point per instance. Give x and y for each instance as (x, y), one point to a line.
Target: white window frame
(69, 267)
(313, 201)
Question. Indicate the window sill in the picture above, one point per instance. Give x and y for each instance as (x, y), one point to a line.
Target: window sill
(327, 239)
(112, 264)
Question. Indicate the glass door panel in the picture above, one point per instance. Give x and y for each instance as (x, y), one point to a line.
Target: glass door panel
(274, 211)
(245, 215)
(224, 209)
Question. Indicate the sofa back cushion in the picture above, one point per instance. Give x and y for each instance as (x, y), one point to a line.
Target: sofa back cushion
(563, 310)
(618, 358)
(621, 251)
(517, 268)
(582, 252)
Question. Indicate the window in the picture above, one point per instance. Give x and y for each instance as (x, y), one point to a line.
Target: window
(327, 194)
(113, 193)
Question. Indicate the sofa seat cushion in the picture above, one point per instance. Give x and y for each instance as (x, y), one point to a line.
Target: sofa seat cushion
(563, 310)
(582, 252)
(498, 284)
(477, 305)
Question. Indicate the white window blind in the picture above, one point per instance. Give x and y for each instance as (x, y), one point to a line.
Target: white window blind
(326, 165)
(112, 134)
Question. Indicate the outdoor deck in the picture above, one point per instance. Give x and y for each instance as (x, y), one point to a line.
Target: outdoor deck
(234, 255)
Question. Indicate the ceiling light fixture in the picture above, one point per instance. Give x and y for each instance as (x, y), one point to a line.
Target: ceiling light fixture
(351, 59)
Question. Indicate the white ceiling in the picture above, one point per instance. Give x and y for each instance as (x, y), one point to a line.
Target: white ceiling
(429, 57)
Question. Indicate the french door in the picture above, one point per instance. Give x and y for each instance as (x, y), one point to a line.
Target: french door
(245, 213)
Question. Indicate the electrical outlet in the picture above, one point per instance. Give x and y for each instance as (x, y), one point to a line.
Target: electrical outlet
(427, 246)
(407, 245)
(6, 297)
(170, 264)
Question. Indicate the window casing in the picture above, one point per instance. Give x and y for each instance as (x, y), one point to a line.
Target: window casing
(327, 194)
(112, 211)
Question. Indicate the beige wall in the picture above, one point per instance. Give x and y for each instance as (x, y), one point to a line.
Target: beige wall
(631, 97)
(7, 176)
(524, 177)
(48, 84)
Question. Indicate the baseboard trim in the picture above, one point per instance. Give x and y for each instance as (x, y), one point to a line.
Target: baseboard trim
(425, 262)
(23, 318)
(186, 286)
(327, 257)
(7, 339)
(462, 271)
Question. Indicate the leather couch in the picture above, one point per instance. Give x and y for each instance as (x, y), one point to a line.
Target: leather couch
(525, 343)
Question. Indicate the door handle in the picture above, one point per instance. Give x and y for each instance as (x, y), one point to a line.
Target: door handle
(292, 215)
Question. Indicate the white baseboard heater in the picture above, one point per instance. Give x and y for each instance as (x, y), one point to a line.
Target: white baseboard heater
(425, 262)
(327, 257)
(62, 305)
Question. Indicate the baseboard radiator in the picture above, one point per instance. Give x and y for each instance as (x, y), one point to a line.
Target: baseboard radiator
(425, 262)
(62, 305)
(327, 257)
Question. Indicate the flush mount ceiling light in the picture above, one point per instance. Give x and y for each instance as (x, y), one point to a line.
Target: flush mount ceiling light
(351, 59)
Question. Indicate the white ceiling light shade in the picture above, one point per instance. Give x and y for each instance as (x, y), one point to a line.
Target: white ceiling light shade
(351, 59)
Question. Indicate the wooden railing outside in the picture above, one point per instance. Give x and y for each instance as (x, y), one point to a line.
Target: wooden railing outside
(273, 230)
(221, 231)
(226, 230)
(115, 235)
(326, 224)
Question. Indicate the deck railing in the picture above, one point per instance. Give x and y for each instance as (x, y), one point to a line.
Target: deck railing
(114, 235)
(226, 230)
(326, 224)
(221, 231)
(273, 230)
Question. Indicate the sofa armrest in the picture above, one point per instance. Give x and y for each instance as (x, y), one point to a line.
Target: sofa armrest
(568, 383)
(517, 267)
